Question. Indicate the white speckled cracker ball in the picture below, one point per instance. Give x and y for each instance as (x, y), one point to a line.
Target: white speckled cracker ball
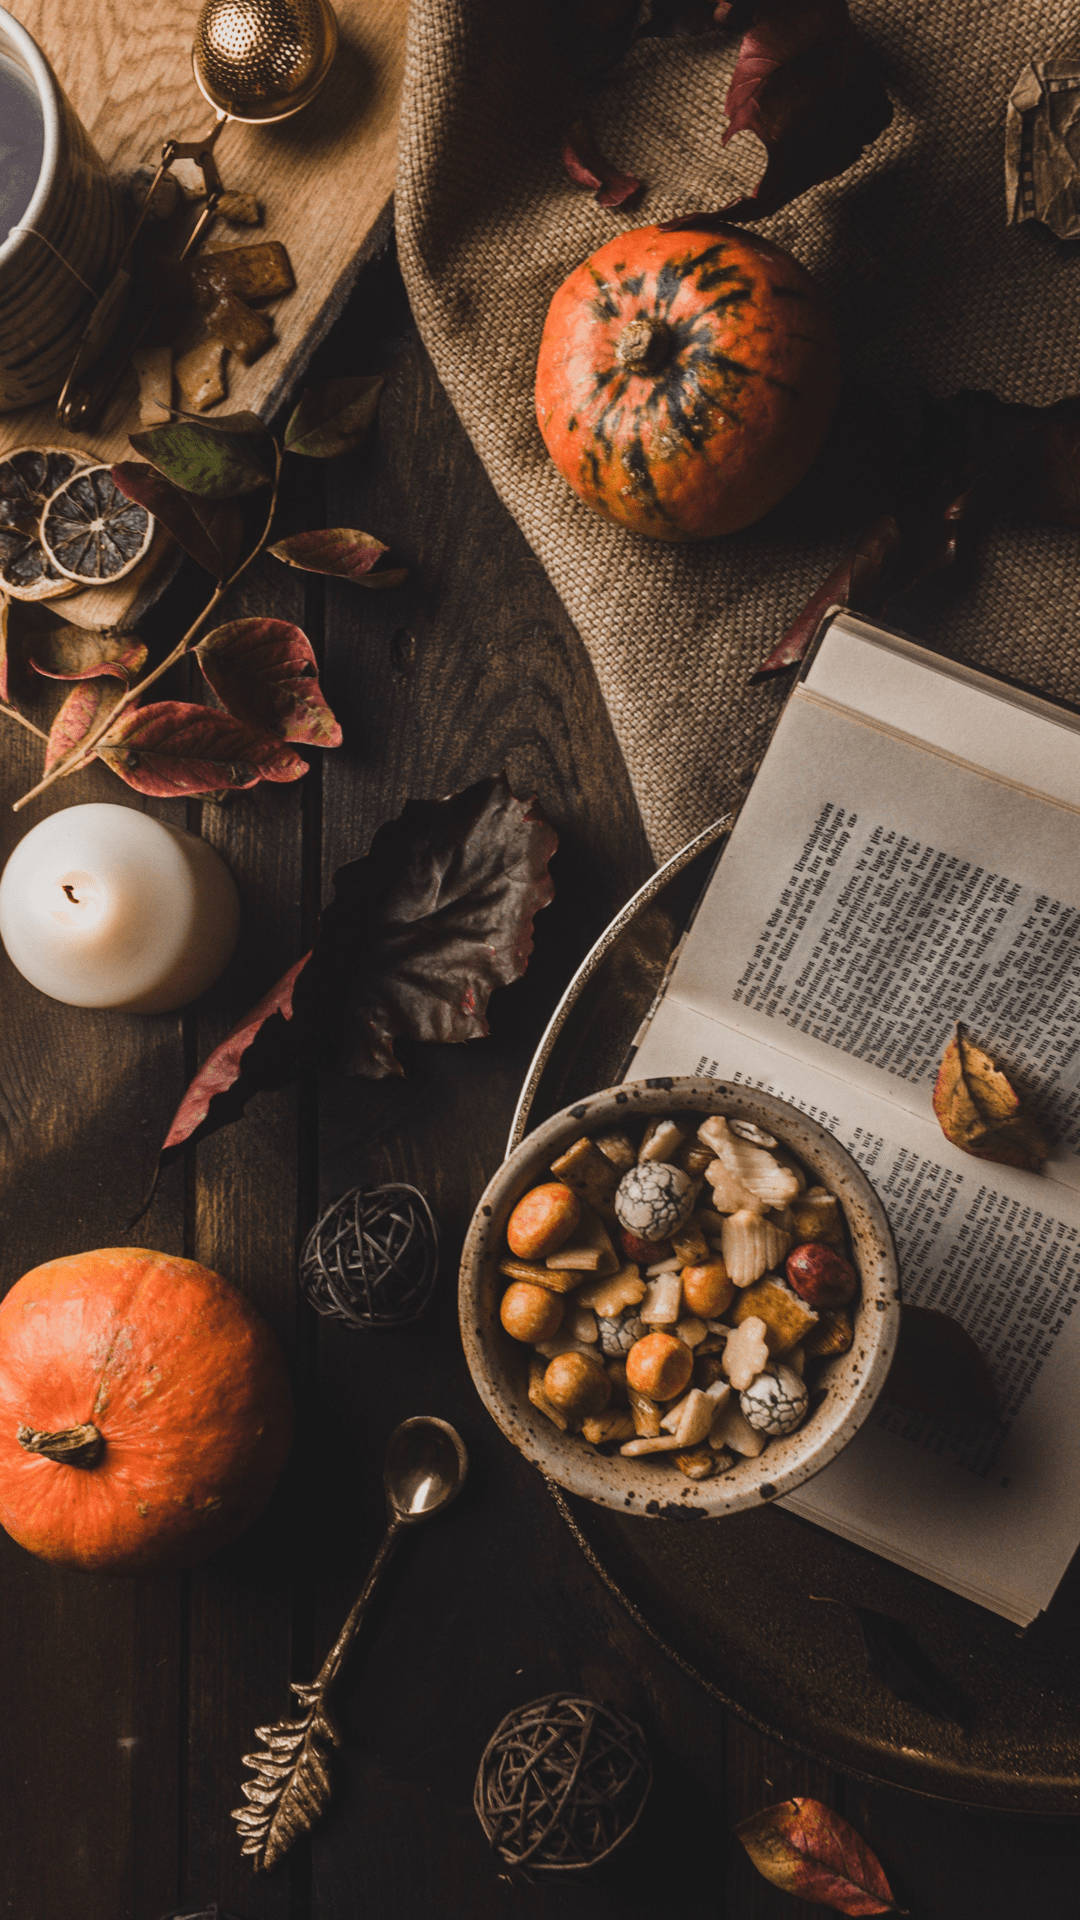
(774, 1403)
(654, 1199)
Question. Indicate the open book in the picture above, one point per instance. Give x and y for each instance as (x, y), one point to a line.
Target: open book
(909, 855)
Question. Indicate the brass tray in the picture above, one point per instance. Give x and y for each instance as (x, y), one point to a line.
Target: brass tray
(730, 1601)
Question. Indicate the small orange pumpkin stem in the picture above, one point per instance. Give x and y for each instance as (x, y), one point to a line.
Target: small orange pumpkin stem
(72, 1447)
(643, 345)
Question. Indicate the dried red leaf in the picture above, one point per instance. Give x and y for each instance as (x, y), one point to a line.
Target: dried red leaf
(344, 552)
(173, 747)
(859, 582)
(258, 1053)
(69, 653)
(806, 1849)
(808, 86)
(85, 705)
(435, 916)
(586, 166)
(266, 674)
(418, 935)
(210, 531)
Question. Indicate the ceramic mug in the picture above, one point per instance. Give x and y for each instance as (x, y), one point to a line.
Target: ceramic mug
(59, 250)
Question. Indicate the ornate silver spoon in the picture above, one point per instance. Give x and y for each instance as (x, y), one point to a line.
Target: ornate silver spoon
(425, 1469)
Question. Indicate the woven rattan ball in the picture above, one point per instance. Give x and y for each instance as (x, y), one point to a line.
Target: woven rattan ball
(371, 1259)
(562, 1782)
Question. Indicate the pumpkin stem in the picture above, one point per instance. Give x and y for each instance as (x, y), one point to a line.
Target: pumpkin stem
(643, 345)
(72, 1447)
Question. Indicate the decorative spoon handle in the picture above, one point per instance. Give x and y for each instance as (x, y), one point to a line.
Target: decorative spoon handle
(291, 1784)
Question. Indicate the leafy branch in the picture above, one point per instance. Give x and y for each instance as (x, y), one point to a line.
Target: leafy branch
(261, 672)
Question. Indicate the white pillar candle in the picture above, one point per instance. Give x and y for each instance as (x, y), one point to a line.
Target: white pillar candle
(103, 906)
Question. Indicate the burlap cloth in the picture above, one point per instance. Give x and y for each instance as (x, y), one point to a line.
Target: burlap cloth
(928, 284)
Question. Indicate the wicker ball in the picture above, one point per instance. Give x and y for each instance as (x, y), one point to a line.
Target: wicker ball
(562, 1782)
(371, 1259)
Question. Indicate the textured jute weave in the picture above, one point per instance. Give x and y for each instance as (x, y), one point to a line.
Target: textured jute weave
(929, 286)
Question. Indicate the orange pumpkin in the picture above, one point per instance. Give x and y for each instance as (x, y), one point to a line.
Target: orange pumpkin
(145, 1410)
(686, 380)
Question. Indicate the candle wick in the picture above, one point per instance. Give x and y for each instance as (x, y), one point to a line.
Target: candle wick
(71, 893)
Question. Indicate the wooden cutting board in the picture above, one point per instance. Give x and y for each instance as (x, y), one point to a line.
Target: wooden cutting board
(323, 179)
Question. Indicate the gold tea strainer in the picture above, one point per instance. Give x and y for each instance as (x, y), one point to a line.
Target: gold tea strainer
(256, 61)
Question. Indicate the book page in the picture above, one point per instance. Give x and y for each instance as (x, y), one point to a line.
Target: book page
(991, 1514)
(872, 894)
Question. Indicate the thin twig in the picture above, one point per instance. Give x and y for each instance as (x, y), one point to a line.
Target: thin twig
(78, 754)
(14, 714)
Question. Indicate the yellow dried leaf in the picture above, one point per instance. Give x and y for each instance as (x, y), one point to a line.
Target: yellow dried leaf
(980, 1111)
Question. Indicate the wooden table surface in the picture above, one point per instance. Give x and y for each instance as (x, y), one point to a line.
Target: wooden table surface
(127, 1705)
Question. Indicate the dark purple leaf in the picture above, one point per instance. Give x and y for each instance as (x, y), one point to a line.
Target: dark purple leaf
(266, 674)
(85, 705)
(436, 915)
(586, 167)
(419, 933)
(70, 653)
(335, 418)
(260, 1052)
(809, 87)
(858, 582)
(344, 552)
(174, 747)
(212, 533)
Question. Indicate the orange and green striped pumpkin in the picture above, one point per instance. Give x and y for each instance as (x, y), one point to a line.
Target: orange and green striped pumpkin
(686, 380)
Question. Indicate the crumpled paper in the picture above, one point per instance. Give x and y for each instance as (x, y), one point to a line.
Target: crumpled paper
(1042, 146)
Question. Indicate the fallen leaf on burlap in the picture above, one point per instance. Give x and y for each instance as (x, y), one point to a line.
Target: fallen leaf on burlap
(587, 167)
(809, 87)
(175, 747)
(334, 418)
(419, 933)
(265, 672)
(979, 1110)
(859, 582)
(806, 1849)
(70, 653)
(343, 552)
(939, 1371)
(85, 705)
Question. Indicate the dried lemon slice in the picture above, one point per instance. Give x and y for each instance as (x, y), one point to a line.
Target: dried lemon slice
(90, 531)
(28, 476)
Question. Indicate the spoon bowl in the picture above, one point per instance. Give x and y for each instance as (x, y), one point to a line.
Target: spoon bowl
(426, 1464)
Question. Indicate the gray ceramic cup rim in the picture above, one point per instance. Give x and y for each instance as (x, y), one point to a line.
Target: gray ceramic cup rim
(499, 1365)
(14, 38)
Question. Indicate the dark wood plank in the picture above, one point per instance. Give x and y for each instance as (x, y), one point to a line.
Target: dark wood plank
(88, 1764)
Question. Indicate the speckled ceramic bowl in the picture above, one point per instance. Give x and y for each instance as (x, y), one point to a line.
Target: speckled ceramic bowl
(499, 1365)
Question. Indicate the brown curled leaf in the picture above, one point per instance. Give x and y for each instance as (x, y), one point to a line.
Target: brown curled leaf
(344, 552)
(587, 167)
(211, 532)
(86, 704)
(217, 459)
(175, 747)
(70, 653)
(806, 1849)
(979, 1110)
(334, 418)
(265, 672)
(859, 582)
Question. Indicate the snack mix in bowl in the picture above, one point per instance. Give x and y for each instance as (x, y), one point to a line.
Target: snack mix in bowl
(679, 1288)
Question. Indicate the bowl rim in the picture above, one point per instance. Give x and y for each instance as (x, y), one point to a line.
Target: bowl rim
(639, 1486)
